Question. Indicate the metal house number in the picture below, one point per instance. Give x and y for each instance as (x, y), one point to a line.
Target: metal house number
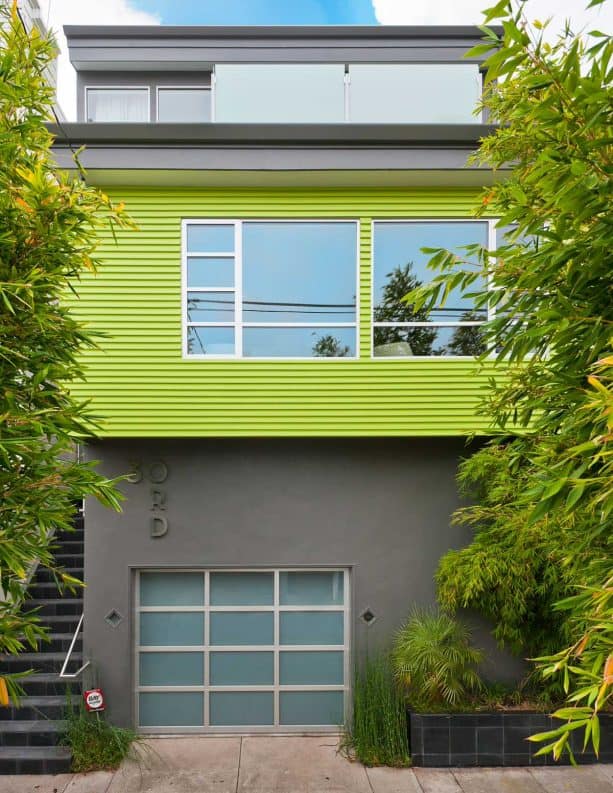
(156, 473)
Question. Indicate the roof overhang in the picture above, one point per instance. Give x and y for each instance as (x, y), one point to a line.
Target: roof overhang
(193, 47)
(243, 154)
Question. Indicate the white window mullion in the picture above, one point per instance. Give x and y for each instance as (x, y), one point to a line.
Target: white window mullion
(207, 651)
(491, 244)
(276, 680)
(238, 288)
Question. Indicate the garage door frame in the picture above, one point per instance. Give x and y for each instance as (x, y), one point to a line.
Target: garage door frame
(277, 609)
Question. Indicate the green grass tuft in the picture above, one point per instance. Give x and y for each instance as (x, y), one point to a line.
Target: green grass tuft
(377, 734)
(96, 745)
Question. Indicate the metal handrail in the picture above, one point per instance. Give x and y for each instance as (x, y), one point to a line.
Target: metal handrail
(71, 675)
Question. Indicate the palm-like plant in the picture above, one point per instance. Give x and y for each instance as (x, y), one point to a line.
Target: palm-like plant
(434, 661)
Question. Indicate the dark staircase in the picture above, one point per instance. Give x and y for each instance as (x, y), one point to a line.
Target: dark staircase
(29, 734)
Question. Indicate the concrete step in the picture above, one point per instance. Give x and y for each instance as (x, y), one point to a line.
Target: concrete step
(43, 575)
(39, 662)
(60, 643)
(60, 607)
(49, 589)
(34, 760)
(69, 559)
(42, 732)
(64, 623)
(37, 708)
(70, 543)
(49, 684)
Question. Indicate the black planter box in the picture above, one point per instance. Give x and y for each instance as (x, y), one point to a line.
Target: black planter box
(493, 739)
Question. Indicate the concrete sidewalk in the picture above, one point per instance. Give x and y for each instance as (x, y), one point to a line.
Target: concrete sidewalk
(297, 765)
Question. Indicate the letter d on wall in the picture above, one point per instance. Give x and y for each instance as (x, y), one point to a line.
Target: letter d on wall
(159, 525)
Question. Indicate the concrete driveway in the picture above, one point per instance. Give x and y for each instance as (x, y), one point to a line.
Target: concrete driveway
(296, 765)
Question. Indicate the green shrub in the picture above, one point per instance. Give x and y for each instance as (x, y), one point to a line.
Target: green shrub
(96, 745)
(378, 734)
(434, 661)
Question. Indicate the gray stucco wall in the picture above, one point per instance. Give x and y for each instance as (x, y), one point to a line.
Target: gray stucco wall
(380, 507)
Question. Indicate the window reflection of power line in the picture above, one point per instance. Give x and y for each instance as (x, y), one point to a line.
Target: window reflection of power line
(269, 311)
(273, 303)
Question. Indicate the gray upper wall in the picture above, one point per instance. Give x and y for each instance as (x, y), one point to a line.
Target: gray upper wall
(145, 48)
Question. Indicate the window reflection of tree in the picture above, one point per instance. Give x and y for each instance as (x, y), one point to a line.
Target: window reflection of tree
(329, 346)
(466, 340)
(391, 308)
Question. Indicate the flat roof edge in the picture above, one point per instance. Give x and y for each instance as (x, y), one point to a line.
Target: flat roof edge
(258, 134)
(277, 31)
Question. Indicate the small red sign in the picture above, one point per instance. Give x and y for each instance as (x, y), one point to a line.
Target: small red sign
(94, 699)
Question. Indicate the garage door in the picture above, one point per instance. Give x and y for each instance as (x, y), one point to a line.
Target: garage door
(244, 650)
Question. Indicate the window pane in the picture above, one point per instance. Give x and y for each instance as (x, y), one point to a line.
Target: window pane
(311, 627)
(234, 628)
(280, 92)
(168, 628)
(238, 709)
(184, 104)
(171, 669)
(171, 589)
(401, 266)
(210, 238)
(241, 589)
(210, 271)
(242, 669)
(414, 93)
(311, 707)
(299, 342)
(311, 668)
(210, 306)
(117, 104)
(408, 342)
(299, 272)
(210, 341)
(311, 588)
(181, 709)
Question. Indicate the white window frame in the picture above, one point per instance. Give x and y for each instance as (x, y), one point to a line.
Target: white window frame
(276, 648)
(146, 88)
(491, 242)
(159, 88)
(239, 323)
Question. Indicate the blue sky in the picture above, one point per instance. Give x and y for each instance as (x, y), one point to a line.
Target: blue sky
(260, 12)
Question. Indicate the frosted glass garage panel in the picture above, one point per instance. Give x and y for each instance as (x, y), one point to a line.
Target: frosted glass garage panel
(287, 93)
(417, 93)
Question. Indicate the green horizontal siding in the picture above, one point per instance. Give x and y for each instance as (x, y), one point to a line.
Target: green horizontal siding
(140, 385)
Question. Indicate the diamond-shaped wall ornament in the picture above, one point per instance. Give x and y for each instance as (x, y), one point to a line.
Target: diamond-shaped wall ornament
(114, 618)
(368, 616)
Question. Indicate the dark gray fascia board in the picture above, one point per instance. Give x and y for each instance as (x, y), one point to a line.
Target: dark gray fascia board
(433, 135)
(278, 31)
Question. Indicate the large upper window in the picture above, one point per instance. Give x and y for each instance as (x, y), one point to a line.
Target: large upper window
(117, 104)
(290, 93)
(399, 266)
(183, 105)
(268, 289)
(414, 93)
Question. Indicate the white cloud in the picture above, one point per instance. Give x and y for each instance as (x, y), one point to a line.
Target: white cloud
(84, 12)
(468, 12)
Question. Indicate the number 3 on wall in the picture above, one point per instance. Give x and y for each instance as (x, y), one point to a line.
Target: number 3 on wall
(156, 472)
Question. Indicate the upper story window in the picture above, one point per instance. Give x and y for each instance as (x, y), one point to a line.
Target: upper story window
(360, 93)
(414, 93)
(303, 93)
(290, 93)
(117, 104)
(399, 266)
(270, 289)
(183, 104)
